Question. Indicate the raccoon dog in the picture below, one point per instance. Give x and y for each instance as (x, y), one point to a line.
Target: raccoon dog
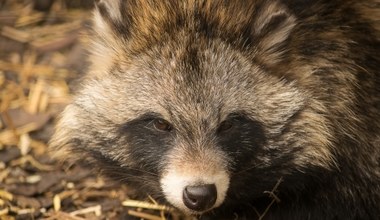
(207, 104)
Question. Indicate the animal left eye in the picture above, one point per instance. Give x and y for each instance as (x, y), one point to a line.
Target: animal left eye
(162, 125)
(225, 126)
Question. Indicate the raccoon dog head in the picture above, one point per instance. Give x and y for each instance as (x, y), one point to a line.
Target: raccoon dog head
(181, 101)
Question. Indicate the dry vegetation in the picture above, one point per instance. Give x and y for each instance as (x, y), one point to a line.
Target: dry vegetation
(41, 53)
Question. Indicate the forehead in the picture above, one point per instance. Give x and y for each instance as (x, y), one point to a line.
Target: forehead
(190, 82)
(193, 77)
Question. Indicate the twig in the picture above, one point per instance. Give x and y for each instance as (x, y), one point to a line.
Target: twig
(32, 161)
(275, 198)
(145, 205)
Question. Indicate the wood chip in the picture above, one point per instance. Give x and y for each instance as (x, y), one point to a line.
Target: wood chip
(45, 45)
(14, 34)
(29, 19)
(4, 211)
(24, 190)
(27, 202)
(9, 154)
(42, 70)
(7, 18)
(49, 180)
(144, 215)
(4, 174)
(21, 211)
(63, 215)
(97, 210)
(34, 96)
(24, 144)
(33, 179)
(146, 205)
(6, 195)
(57, 203)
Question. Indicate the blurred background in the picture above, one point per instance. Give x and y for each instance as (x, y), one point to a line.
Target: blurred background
(42, 53)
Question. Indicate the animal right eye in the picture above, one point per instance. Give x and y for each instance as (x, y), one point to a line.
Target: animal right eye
(162, 125)
(225, 126)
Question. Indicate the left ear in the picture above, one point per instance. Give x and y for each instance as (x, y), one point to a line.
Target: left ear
(272, 27)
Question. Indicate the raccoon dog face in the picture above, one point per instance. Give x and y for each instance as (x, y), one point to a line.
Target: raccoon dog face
(185, 102)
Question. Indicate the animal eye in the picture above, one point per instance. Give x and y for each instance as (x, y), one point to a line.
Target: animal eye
(162, 125)
(225, 126)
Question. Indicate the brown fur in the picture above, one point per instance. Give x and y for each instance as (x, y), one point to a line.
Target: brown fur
(306, 72)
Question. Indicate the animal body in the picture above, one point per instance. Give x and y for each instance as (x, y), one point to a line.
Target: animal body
(207, 105)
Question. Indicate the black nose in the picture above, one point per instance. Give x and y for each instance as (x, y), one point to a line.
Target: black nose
(199, 198)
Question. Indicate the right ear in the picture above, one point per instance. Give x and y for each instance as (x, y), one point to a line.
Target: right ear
(110, 30)
(110, 15)
(109, 8)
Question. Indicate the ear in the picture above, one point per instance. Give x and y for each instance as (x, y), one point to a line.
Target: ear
(110, 29)
(108, 15)
(271, 27)
(109, 9)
